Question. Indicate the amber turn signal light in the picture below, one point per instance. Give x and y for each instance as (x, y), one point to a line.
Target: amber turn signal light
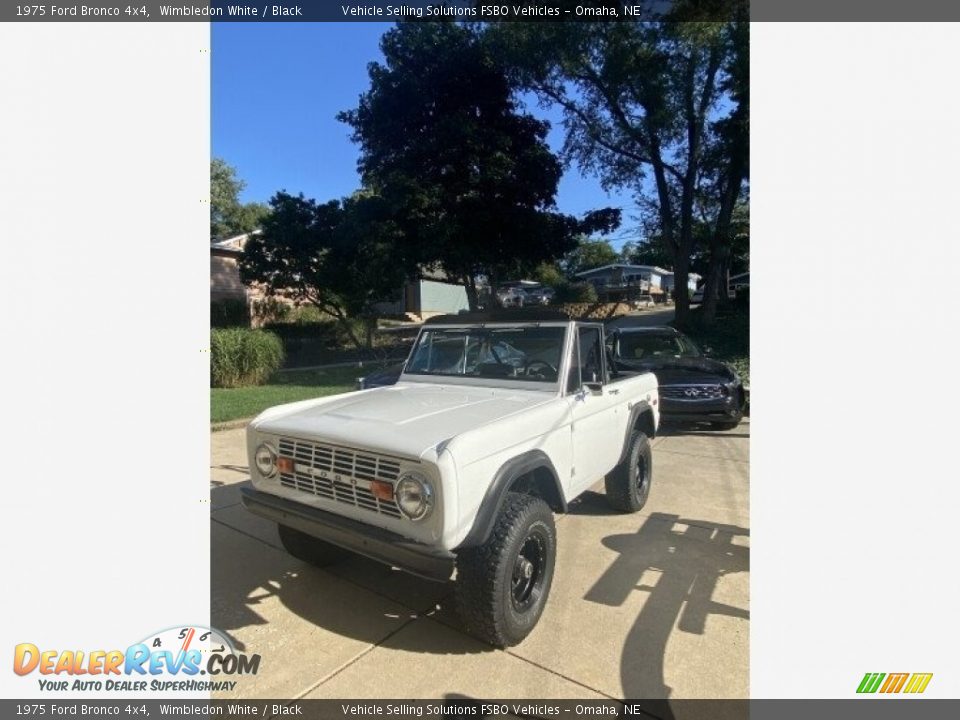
(285, 464)
(381, 490)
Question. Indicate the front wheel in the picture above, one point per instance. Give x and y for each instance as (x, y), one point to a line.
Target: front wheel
(310, 549)
(502, 585)
(628, 484)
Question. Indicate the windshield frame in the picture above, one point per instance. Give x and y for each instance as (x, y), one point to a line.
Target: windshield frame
(552, 387)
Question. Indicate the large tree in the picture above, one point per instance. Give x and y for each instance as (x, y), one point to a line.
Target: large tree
(640, 100)
(470, 179)
(589, 254)
(229, 216)
(726, 172)
(337, 256)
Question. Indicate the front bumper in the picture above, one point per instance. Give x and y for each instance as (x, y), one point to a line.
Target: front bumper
(726, 410)
(373, 542)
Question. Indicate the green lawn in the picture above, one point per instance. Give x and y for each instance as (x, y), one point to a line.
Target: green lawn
(234, 403)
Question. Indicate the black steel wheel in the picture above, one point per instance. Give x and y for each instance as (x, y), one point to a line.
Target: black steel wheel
(628, 484)
(502, 585)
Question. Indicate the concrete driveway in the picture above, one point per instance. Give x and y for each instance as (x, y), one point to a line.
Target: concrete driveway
(651, 605)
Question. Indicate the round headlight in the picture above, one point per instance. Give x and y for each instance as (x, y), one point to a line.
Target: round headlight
(266, 460)
(414, 496)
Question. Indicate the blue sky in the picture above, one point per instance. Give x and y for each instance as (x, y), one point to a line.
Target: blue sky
(276, 89)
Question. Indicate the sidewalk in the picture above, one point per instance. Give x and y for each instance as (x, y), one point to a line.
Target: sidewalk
(649, 605)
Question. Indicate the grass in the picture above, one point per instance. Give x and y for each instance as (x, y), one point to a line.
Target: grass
(728, 337)
(284, 387)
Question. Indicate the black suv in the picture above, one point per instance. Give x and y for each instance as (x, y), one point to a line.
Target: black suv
(693, 387)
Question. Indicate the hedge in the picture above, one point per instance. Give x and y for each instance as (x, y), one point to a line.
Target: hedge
(240, 356)
(229, 313)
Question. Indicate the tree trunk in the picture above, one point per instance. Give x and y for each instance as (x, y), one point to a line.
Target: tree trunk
(716, 290)
(714, 287)
(681, 293)
(473, 296)
(369, 329)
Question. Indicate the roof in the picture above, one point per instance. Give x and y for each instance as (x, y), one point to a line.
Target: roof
(515, 315)
(233, 244)
(625, 266)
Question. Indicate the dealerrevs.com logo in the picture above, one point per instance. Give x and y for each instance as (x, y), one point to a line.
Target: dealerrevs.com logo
(181, 659)
(890, 683)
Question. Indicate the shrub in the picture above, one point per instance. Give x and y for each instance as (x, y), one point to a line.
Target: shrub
(240, 356)
(569, 292)
(742, 300)
(308, 315)
(270, 310)
(229, 313)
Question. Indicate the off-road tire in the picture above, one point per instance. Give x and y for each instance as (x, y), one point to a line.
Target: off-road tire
(628, 484)
(310, 549)
(492, 599)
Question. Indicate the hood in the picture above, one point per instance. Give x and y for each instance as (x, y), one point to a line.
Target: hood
(683, 371)
(406, 419)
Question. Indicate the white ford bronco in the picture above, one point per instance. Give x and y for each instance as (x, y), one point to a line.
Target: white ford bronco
(496, 423)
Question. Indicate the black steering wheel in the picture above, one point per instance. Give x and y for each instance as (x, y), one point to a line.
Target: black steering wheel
(529, 371)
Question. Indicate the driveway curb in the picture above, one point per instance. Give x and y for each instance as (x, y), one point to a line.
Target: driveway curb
(230, 424)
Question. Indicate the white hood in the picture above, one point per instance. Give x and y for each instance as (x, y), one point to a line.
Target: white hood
(405, 419)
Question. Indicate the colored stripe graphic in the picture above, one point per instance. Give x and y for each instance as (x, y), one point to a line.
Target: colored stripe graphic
(870, 682)
(894, 682)
(918, 682)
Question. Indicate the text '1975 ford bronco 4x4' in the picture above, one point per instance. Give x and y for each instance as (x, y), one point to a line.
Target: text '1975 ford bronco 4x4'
(496, 423)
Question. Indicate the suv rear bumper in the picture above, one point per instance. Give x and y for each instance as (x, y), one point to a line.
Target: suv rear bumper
(373, 542)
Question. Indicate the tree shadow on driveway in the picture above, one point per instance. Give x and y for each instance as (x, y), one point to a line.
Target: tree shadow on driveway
(687, 558)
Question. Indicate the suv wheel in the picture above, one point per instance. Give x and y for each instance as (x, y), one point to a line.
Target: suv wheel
(502, 585)
(628, 484)
(310, 549)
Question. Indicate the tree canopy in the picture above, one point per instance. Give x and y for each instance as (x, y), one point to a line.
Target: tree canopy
(338, 255)
(469, 179)
(659, 108)
(589, 254)
(228, 216)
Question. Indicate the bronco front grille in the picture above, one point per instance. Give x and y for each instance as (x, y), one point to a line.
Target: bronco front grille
(692, 392)
(339, 473)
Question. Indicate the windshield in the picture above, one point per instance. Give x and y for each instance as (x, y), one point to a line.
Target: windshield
(511, 353)
(654, 346)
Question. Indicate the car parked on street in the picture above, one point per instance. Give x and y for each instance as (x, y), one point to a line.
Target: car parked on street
(512, 297)
(693, 386)
(497, 422)
(540, 296)
(644, 301)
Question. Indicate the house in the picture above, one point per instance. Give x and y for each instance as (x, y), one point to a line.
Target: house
(432, 294)
(693, 279)
(225, 282)
(736, 282)
(621, 281)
